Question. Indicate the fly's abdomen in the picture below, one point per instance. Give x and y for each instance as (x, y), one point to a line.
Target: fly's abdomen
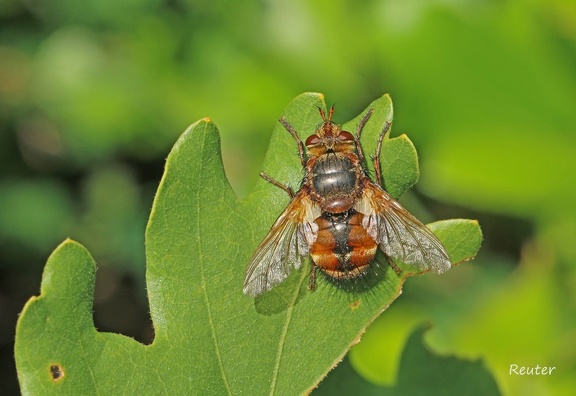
(343, 248)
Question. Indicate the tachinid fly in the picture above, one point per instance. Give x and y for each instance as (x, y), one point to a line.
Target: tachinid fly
(339, 216)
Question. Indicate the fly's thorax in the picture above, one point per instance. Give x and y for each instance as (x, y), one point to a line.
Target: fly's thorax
(334, 180)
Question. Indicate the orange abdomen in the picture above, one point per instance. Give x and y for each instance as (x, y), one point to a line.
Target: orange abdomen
(343, 248)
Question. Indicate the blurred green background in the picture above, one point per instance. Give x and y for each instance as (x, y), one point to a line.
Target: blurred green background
(94, 93)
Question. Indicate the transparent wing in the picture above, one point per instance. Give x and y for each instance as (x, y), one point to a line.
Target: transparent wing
(283, 247)
(399, 234)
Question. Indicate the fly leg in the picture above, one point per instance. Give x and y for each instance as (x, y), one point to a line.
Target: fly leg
(312, 280)
(393, 265)
(363, 122)
(359, 128)
(294, 134)
(376, 158)
(284, 187)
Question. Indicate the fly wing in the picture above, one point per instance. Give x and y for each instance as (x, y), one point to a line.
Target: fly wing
(399, 234)
(283, 247)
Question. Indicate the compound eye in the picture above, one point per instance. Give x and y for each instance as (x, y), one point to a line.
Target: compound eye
(312, 140)
(345, 136)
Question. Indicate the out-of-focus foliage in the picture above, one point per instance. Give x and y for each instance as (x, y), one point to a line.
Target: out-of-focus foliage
(420, 372)
(94, 93)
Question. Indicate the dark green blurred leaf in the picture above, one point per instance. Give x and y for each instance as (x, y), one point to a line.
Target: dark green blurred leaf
(422, 372)
(38, 213)
(115, 215)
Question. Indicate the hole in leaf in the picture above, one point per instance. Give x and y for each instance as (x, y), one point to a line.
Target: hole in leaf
(56, 372)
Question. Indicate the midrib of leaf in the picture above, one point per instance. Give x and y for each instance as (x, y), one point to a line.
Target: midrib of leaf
(204, 288)
(284, 334)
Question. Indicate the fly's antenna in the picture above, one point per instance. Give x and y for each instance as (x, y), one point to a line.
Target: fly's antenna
(323, 114)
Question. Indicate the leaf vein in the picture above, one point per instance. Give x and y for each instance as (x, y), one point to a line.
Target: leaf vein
(202, 272)
(284, 334)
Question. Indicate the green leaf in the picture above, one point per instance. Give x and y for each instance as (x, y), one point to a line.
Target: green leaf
(422, 372)
(461, 238)
(209, 337)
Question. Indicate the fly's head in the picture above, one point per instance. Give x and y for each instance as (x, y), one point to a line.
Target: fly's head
(329, 138)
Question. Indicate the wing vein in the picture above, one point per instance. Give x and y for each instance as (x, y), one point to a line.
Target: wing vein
(399, 234)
